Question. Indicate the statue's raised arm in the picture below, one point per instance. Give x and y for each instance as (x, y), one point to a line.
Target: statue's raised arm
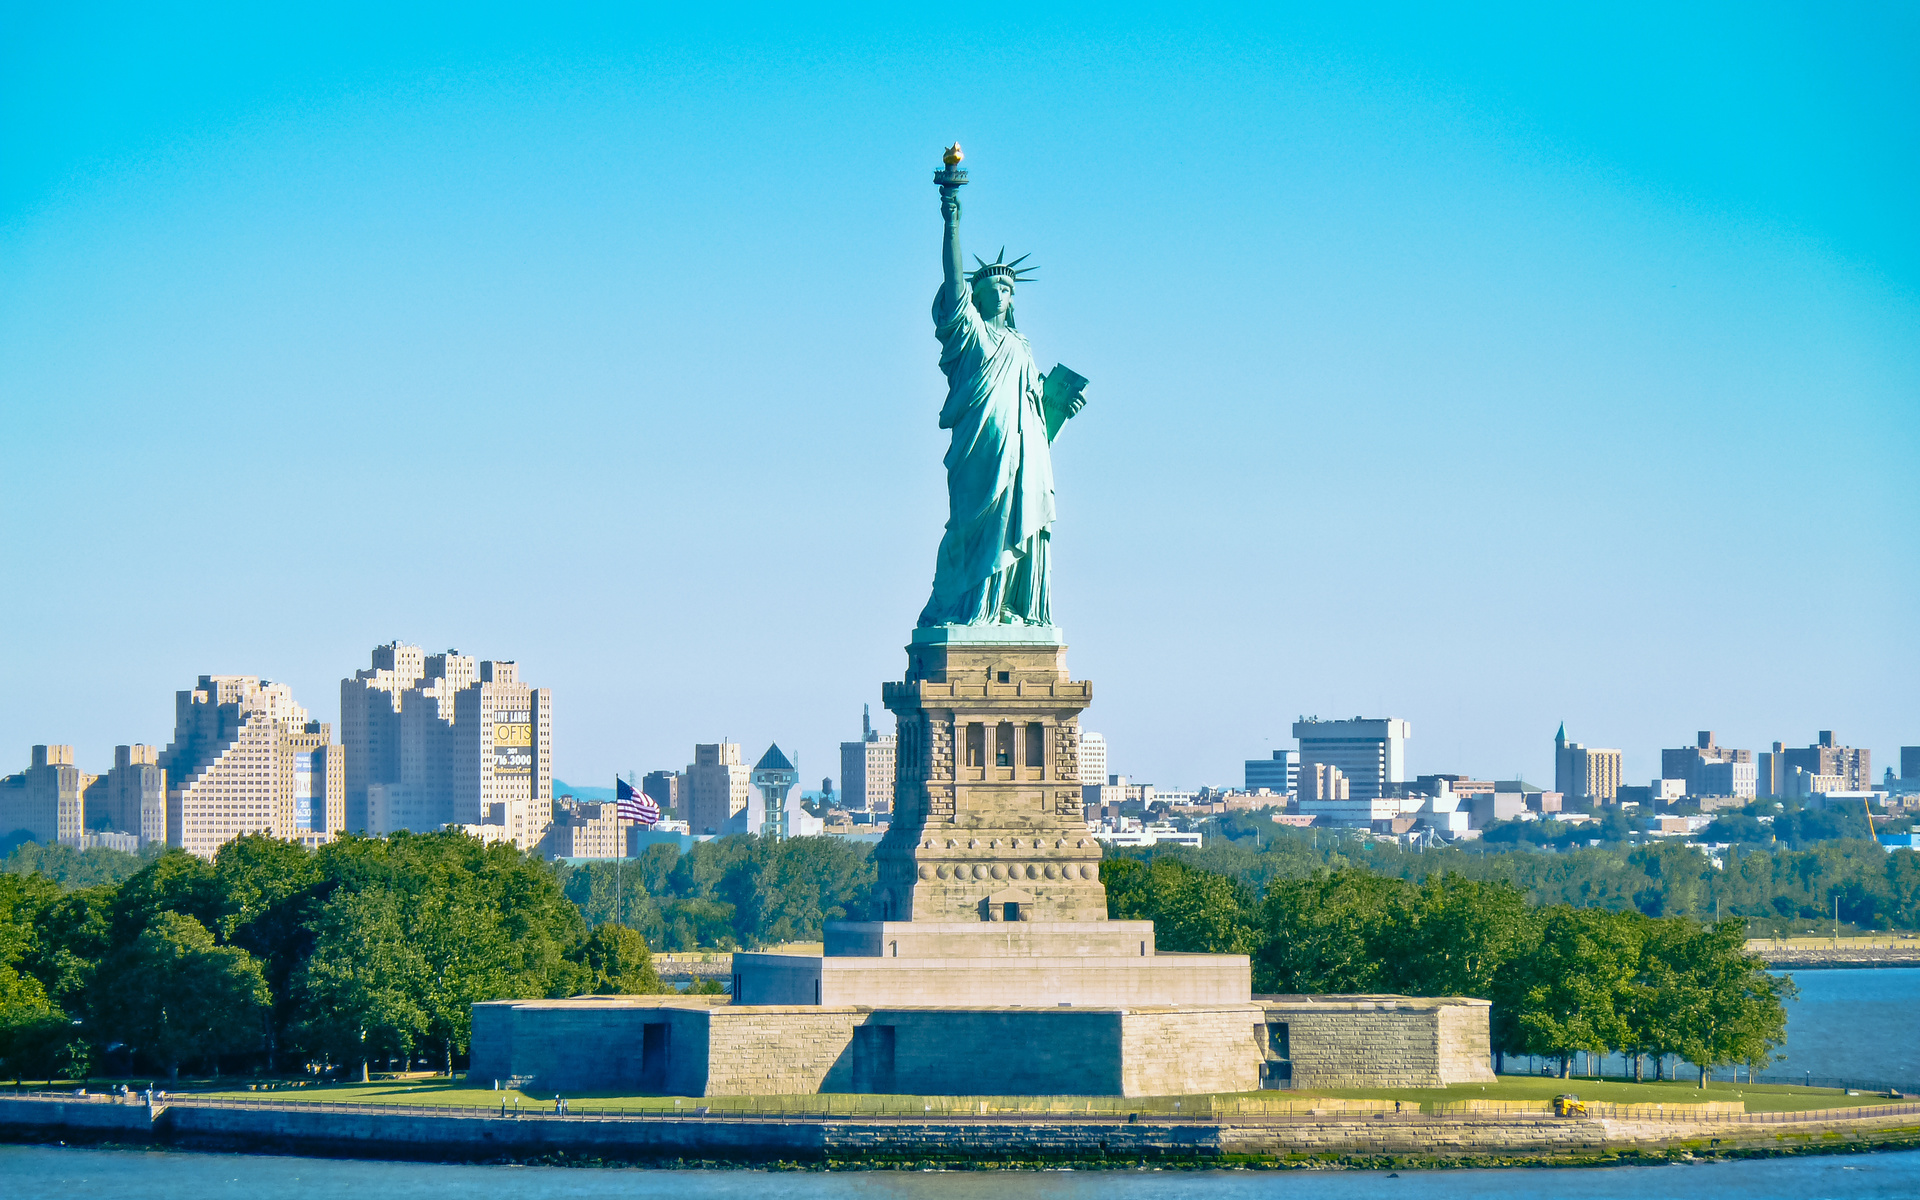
(954, 287)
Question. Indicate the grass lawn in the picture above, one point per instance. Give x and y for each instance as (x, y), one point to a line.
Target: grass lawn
(1759, 1097)
(438, 1091)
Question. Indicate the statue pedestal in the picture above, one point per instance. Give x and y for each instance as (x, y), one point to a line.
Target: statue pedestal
(987, 823)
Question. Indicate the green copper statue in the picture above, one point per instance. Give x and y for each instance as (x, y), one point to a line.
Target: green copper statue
(1004, 413)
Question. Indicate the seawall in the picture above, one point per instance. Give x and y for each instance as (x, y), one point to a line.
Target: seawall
(349, 1131)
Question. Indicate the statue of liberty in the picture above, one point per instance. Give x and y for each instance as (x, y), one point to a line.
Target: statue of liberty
(992, 567)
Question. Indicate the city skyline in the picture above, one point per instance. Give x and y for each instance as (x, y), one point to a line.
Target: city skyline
(1433, 374)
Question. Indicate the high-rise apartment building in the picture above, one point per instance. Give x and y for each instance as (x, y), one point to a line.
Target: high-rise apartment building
(1909, 762)
(1092, 760)
(866, 769)
(1371, 753)
(47, 801)
(370, 706)
(132, 797)
(1827, 757)
(666, 789)
(719, 785)
(1279, 774)
(448, 739)
(1585, 773)
(1704, 764)
(246, 759)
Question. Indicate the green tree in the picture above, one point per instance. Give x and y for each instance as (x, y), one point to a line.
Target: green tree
(1572, 991)
(1453, 936)
(362, 989)
(269, 891)
(1322, 934)
(1720, 1005)
(618, 963)
(178, 997)
(1193, 911)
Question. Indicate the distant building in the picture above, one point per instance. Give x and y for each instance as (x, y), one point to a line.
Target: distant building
(436, 740)
(1093, 759)
(1369, 753)
(245, 758)
(1738, 779)
(1770, 773)
(1279, 774)
(1703, 767)
(589, 830)
(132, 797)
(47, 801)
(1585, 773)
(719, 785)
(867, 768)
(666, 789)
(1826, 757)
(370, 707)
(1910, 762)
(1327, 794)
(774, 777)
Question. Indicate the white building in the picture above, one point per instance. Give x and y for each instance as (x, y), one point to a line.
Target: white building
(1093, 759)
(1370, 753)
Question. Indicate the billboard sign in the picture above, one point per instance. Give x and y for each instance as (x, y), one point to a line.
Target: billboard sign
(303, 773)
(513, 742)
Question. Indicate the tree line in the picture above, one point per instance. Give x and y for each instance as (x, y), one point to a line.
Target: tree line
(275, 957)
(1562, 980)
(1772, 889)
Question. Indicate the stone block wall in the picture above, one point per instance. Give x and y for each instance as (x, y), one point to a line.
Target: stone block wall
(1180, 1051)
(1383, 1041)
(1005, 1052)
(1466, 1042)
(977, 982)
(779, 1050)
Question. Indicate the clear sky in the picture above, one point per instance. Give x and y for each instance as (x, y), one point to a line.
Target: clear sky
(1487, 370)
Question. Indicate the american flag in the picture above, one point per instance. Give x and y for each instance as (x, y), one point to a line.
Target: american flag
(634, 806)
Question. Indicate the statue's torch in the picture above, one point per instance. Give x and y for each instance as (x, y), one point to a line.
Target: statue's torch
(952, 176)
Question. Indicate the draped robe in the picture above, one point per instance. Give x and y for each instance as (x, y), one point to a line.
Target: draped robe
(992, 566)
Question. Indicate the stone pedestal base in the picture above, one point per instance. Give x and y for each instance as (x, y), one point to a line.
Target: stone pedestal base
(987, 822)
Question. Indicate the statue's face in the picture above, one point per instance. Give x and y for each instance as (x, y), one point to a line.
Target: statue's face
(994, 296)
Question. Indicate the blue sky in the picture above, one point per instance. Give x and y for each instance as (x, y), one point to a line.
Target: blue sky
(1484, 369)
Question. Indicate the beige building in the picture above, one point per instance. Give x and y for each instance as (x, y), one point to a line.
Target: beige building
(132, 797)
(370, 707)
(719, 785)
(440, 740)
(47, 801)
(866, 769)
(1585, 772)
(585, 831)
(245, 758)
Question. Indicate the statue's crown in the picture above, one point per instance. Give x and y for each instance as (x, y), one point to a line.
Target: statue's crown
(1012, 270)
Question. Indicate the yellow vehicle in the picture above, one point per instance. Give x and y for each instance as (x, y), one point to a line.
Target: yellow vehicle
(1569, 1106)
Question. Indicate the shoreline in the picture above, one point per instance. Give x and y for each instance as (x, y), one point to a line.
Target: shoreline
(1309, 1141)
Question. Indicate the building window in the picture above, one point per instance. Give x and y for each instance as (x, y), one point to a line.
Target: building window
(976, 745)
(1006, 677)
(1003, 744)
(1036, 744)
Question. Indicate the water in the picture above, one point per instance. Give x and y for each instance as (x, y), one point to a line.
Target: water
(1853, 1025)
(1847, 1025)
(36, 1172)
